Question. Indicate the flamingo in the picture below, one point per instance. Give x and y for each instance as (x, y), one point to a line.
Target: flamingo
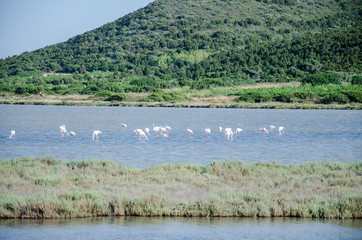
(147, 130)
(271, 128)
(95, 134)
(124, 125)
(238, 130)
(264, 131)
(164, 135)
(189, 132)
(229, 135)
(156, 129)
(168, 128)
(281, 130)
(12, 134)
(140, 133)
(163, 129)
(227, 130)
(220, 128)
(63, 129)
(72, 134)
(207, 131)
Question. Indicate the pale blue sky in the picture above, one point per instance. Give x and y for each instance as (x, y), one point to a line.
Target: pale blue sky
(27, 25)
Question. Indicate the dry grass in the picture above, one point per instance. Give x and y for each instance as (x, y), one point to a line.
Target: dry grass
(48, 188)
(216, 99)
(269, 85)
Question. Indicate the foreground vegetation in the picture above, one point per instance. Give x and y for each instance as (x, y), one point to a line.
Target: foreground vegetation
(49, 188)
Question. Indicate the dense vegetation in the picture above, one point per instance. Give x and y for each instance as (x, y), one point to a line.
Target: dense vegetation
(48, 188)
(319, 95)
(322, 88)
(201, 44)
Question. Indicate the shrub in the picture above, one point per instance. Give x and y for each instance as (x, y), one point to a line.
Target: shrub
(250, 97)
(144, 84)
(104, 93)
(28, 89)
(286, 97)
(305, 95)
(6, 88)
(160, 96)
(354, 95)
(357, 80)
(118, 97)
(58, 89)
(92, 89)
(335, 98)
(295, 72)
(321, 78)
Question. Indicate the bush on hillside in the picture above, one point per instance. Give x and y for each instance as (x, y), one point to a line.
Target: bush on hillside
(357, 80)
(160, 96)
(118, 97)
(321, 78)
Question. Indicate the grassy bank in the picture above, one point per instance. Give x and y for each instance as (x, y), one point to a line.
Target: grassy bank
(48, 188)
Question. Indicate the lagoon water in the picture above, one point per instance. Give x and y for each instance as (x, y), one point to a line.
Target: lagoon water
(181, 228)
(311, 135)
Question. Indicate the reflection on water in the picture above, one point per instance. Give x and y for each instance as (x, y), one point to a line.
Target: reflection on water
(181, 228)
(311, 135)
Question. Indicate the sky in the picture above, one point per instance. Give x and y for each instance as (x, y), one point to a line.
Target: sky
(27, 25)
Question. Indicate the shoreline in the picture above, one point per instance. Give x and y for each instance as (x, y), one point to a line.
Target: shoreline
(42, 188)
(264, 105)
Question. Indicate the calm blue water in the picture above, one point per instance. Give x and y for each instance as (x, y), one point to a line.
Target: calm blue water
(311, 135)
(181, 228)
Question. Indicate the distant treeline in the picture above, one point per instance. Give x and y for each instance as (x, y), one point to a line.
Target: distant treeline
(280, 61)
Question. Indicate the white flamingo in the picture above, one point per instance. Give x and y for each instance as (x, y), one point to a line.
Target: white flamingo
(163, 130)
(140, 133)
(72, 134)
(164, 135)
(238, 130)
(12, 134)
(229, 135)
(271, 128)
(281, 130)
(63, 129)
(95, 134)
(207, 131)
(227, 130)
(189, 132)
(147, 130)
(264, 131)
(156, 129)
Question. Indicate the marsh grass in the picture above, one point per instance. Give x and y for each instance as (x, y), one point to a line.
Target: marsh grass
(49, 188)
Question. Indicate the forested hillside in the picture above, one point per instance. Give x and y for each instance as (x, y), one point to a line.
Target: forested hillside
(199, 43)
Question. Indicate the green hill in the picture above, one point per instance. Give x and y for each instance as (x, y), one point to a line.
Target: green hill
(211, 42)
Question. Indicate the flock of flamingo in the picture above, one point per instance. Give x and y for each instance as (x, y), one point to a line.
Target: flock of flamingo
(163, 131)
